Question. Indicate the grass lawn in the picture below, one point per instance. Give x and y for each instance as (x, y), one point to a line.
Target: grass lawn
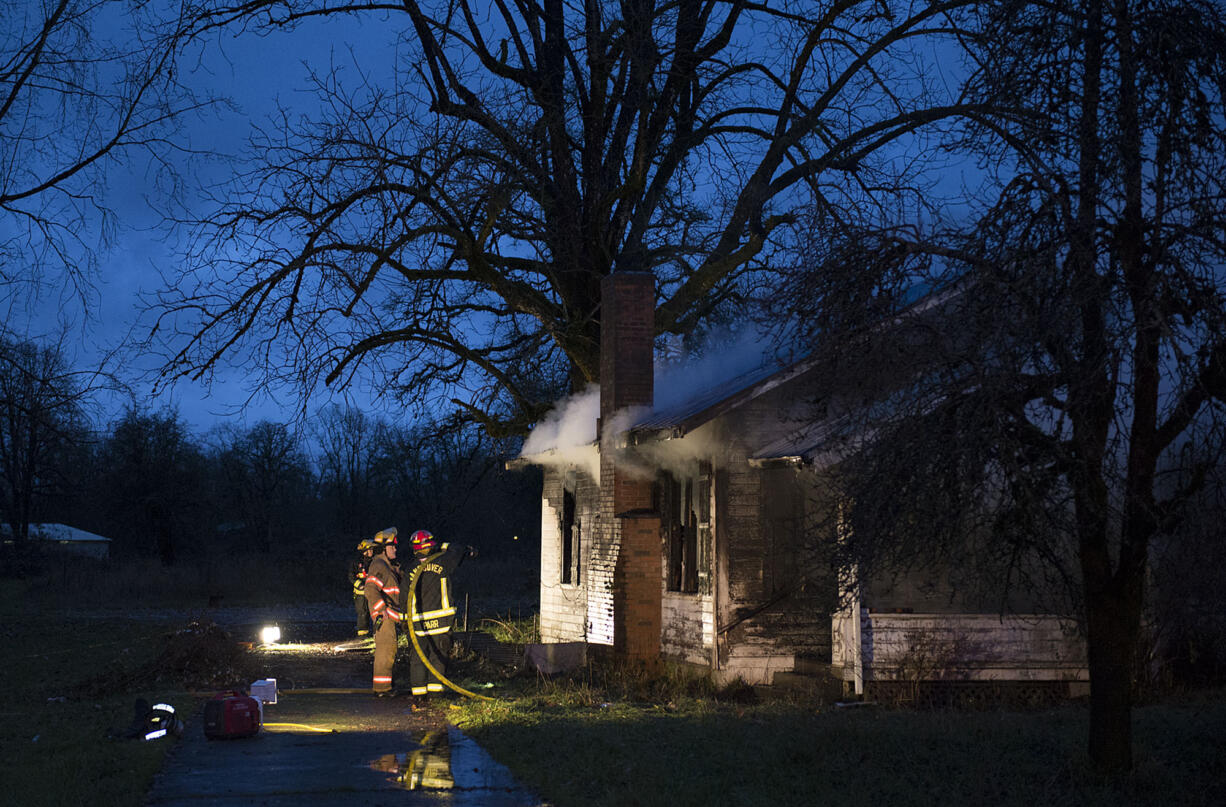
(576, 751)
(67, 683)
(605, 739)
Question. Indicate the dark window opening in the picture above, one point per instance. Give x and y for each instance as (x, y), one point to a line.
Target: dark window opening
(570, 539)
(783, 512)
(685, 509)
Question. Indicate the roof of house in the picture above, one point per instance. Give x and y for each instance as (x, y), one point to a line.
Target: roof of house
(818, 442)
(58, 532)
(711, 401)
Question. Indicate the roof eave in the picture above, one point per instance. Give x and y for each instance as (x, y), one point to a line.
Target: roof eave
(795, 461)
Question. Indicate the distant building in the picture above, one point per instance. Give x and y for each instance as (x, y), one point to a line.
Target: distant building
(66, 539)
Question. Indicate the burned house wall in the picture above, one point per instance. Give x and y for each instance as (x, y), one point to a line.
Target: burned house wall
(686, 506)
(565, 601)
(688, 627)
(772, 607)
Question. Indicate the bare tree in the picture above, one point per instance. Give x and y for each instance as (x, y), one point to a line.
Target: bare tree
(84, 86)
(450, 228)
(43, 405)
(1086, 346)
(435, 476)
(152, 473)
(261, 468)
(347, 449)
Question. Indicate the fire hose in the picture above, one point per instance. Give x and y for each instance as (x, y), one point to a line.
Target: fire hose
(412, 609)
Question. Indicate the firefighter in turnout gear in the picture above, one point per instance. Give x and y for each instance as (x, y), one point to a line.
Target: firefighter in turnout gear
(383, 595)
(357, 577)
(433, 609)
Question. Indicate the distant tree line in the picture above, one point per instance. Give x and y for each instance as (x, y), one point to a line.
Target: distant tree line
(157, 488)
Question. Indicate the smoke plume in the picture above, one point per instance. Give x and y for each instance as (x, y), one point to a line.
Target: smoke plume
(567, 436)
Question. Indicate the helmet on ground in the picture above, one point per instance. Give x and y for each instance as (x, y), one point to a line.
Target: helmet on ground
(385, 537)
(423, 541)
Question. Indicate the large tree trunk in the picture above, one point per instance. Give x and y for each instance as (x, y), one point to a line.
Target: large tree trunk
(1114, 602)
(1112, 598)
(1113, 613)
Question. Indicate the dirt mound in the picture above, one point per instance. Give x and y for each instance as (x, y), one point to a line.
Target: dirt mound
(199, 656)
(203, 656)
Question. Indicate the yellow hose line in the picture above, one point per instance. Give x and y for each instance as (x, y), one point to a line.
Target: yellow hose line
(417, 645)
(301, 726)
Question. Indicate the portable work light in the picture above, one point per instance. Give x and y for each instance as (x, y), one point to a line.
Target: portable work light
(270, 634)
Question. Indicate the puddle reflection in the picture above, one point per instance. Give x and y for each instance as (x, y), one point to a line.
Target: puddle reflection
(427, 767)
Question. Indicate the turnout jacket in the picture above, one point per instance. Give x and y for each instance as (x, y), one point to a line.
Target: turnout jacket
(357, 573)
(433, 606)
(383, 589)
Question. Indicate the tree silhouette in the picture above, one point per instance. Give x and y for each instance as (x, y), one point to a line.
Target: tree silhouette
(449, 229)
(43, 403)
(1071, 401)
(85, 85)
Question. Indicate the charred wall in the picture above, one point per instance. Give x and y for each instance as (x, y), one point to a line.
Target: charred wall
(779, 589)
(568, 495)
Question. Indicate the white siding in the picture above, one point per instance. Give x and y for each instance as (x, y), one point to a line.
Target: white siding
(583, 611)
(687, 627)
(961, 647)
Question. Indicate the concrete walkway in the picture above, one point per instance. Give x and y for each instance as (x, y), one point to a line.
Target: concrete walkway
(330, 747)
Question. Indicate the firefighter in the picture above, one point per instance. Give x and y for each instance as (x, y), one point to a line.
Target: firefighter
(433, 609)
(383, 596)
(357, 577)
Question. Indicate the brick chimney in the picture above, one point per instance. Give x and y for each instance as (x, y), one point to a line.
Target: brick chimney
(627, 335)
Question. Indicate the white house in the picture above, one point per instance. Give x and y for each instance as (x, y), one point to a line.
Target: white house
(681, 539)
(65, 538)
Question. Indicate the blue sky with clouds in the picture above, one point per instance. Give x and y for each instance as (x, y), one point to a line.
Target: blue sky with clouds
(255, 74)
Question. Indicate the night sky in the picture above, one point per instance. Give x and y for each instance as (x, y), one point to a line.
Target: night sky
(255, 74)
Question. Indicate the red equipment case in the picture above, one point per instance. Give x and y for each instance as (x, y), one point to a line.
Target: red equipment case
(230, 715)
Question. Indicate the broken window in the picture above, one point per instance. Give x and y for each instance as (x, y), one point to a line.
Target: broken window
(570, 539)
(685, 510)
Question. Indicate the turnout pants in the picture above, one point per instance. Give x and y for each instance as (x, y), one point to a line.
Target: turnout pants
(362, 609)
(436, 648)
(385, 655)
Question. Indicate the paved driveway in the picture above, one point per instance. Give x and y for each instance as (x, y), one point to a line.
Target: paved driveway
(332, 747)
(328, 741)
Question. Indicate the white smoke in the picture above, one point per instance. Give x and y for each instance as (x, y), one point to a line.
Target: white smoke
(681, 456)
(567, 435)
(683, 376)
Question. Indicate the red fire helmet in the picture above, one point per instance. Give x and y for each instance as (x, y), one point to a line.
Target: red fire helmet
(423, 541)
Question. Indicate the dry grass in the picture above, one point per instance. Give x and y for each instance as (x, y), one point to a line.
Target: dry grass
(70, 686)
(496, 586)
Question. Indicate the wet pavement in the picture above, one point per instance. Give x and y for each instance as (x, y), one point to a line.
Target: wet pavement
(327, 740)
(329, 747)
